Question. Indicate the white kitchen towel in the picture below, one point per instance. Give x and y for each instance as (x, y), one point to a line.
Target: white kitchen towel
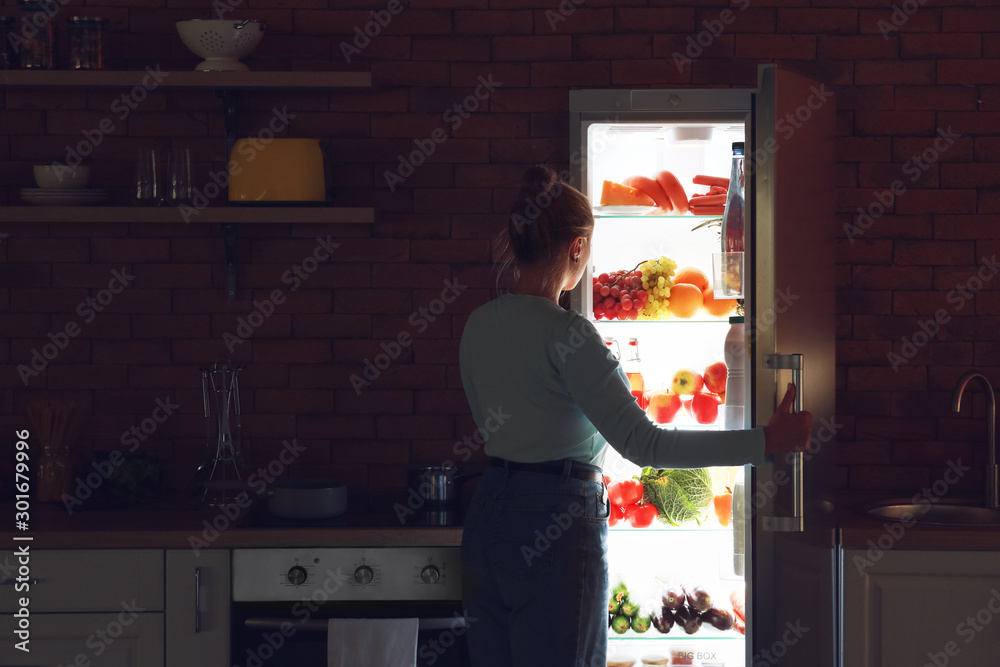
(372, 642)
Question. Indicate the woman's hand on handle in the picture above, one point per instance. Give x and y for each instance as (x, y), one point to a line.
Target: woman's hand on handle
(787, 431)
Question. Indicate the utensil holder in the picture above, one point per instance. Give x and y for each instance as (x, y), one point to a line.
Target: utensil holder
(225, 472)
(56, 474)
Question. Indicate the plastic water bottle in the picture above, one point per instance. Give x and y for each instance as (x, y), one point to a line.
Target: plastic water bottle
(735, 353)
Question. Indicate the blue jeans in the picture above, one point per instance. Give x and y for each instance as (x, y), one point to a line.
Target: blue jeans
(535, 571)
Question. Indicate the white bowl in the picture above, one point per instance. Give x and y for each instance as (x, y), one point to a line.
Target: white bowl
(221, 43)
(59, 176)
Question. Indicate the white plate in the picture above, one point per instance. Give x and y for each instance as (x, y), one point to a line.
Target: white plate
(74, 197)
(625, 210)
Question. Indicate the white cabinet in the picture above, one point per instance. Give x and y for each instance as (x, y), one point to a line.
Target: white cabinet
(85, 607)
(109, 640)
(917, 607)
(197, 605)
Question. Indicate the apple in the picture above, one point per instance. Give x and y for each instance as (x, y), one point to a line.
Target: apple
(686, 381)
(715, 377)
(705, 408)
(663, 406)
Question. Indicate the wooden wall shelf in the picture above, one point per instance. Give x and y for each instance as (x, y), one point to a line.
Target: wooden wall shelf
(184, 79)
(171, 214)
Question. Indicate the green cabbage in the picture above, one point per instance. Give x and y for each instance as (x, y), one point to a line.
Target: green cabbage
(680, 496)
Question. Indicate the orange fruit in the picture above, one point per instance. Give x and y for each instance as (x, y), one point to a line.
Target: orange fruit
(717, 307)
(692, 276)
(684, 300)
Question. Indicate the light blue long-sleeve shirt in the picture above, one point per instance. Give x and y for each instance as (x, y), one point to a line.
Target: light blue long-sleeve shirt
(543, 386)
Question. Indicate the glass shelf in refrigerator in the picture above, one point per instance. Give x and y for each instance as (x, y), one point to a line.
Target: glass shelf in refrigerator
(701, 636)
(670, 529)
(652, 216)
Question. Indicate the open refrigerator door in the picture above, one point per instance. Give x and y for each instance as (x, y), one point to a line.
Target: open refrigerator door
(667, 300)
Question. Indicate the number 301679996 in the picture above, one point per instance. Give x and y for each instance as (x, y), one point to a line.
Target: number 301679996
(22, 483)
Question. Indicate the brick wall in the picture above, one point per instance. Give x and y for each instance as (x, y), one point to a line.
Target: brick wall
(939, 71)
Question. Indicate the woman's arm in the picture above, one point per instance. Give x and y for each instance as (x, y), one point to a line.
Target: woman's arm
(600, 387)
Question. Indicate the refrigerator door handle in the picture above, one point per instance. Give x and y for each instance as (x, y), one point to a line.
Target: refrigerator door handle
(796, 522)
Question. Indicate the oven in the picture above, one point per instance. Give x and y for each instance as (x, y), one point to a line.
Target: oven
(283, 600)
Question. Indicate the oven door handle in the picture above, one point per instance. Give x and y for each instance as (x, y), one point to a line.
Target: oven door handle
(321, 625)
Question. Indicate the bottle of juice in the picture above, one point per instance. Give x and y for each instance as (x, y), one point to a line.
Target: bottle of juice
(632, 370)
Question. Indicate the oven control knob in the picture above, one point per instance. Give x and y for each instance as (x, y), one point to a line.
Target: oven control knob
(363, 575)
(297, 575)
(430, 574)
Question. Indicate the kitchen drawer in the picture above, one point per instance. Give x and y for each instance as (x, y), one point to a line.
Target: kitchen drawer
(124, 639)
(87, 580)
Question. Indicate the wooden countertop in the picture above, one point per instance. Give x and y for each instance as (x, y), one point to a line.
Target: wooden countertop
(859, 531)
(162, 528)
(51, 527)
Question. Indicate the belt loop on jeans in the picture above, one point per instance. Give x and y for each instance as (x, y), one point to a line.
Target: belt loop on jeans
(567, 467)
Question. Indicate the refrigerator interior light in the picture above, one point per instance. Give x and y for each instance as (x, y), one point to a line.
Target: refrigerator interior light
(701, 133)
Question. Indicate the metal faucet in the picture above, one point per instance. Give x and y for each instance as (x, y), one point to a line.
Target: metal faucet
(992, 473)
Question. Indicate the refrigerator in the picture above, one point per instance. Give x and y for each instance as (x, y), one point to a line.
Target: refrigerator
(778, 548)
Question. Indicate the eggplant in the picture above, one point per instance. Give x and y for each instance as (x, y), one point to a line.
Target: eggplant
(673, 597)
(614, 605)
(664, 622)
(699, 600)
(688, 619)
(721, 619)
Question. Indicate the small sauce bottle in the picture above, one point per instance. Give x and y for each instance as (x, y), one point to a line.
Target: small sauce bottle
(635, 378)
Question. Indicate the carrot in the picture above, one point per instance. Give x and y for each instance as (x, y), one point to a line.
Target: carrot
(673, 189)
(711, 200)
(711, 180)
(718, 190)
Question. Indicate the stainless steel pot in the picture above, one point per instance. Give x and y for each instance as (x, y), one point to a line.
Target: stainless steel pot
(438, 486)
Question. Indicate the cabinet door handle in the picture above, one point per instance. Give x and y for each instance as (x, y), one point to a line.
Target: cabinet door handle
(796, 522)
(197, 599)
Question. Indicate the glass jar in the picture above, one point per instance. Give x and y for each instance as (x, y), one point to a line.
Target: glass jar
(87, 42)
(36, 35)
(56, 474)
(8, 55)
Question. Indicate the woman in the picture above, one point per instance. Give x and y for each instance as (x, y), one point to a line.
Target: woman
(541, 382)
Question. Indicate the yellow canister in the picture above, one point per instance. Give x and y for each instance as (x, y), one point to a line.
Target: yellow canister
(276, 171)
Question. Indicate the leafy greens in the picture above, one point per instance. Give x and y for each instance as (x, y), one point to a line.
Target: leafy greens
(680, 496)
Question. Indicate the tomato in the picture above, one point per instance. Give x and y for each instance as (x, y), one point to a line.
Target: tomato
(617, 514)
(626, 492)
(642, 516)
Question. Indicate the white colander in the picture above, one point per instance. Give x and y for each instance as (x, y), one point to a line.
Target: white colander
(221, 43)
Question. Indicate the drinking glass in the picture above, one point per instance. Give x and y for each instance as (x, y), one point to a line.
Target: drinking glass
(147, 189)
(180, 188)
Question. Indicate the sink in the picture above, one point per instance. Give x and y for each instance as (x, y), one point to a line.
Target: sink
(947, 514)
